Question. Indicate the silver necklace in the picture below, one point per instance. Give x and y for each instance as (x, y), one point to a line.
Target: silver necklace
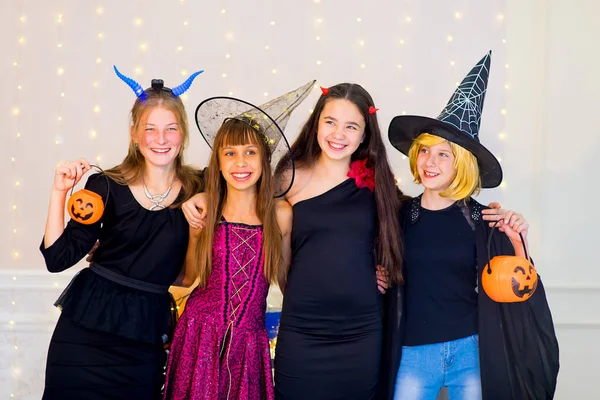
(157, 199)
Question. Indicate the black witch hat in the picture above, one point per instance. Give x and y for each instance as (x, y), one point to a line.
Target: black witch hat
(458, 123)
(269, 119)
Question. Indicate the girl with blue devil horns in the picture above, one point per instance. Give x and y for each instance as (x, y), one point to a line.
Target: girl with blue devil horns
(117, 315)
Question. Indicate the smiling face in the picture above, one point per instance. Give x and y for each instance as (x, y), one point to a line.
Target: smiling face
(158, 137)
(241, 166)
(435, 166)
(341, 129)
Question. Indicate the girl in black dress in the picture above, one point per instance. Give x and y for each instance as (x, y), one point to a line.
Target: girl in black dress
(345, 204)
(116, 315)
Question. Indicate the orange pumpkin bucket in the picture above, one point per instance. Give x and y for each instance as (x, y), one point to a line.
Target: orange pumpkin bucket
(509, 279)
(85, 206)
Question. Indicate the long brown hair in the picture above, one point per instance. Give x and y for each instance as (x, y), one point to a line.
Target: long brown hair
(306, 150)
(131, 169)
(234, 132)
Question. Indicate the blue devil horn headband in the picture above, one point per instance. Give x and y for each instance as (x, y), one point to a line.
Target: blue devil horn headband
(181, 89)
(139, 91)
(136, 87)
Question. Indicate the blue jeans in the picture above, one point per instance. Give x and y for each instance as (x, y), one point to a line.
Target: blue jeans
(425, 369)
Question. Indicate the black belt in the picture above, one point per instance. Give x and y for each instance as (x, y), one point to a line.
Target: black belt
(127, 281)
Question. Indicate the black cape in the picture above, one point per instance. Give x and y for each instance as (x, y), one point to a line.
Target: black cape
(518, 349)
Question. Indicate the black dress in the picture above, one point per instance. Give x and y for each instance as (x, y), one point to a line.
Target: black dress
(329, 341)
(108, 342)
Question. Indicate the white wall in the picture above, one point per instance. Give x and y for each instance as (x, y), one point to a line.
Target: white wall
(550, 97)
(552, 137)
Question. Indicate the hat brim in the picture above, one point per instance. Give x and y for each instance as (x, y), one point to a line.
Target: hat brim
(212, 113)
(404, 129)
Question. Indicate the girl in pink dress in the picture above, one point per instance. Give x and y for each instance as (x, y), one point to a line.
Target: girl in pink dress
(220, 348)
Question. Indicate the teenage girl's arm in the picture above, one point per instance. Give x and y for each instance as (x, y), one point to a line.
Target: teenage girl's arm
(512, 224)
(187, 275)
(284, 220)
(63, 247)
(66, 176)
(516, 223)
(195, 210)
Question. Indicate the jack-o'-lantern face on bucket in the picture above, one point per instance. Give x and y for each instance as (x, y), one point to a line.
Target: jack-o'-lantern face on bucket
(524, 282)
(85, 207)
(509, 279)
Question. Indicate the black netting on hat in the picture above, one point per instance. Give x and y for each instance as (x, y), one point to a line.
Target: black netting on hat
(269, 119)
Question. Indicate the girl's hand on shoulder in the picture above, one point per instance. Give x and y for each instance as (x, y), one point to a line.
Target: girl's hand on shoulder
(195, 211)
(68, 174)
(494, 213)
(512, 224)
(383, 279)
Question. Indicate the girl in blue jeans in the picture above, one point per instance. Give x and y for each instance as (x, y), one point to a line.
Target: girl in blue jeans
(441, 314)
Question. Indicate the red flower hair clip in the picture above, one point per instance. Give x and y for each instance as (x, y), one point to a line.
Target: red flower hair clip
(363, 175)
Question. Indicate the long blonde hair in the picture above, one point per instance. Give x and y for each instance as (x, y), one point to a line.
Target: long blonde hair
(467, 181)
(235, 133)
(131, 169)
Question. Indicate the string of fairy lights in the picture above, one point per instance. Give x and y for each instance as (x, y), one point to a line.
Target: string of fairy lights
(180, 51)
(18, 89)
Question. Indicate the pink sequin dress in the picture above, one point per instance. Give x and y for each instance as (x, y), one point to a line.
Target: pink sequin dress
(220, 348)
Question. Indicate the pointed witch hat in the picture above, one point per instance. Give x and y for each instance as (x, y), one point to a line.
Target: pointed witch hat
(269, 119)
(458, 123)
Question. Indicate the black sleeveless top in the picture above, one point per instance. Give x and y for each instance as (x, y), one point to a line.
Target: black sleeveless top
(331, 284)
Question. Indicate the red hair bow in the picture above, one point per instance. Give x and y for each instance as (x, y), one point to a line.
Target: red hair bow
(373, 110)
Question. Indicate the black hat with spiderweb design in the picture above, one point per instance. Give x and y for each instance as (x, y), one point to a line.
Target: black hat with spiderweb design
(458, 123)
(269, 119)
